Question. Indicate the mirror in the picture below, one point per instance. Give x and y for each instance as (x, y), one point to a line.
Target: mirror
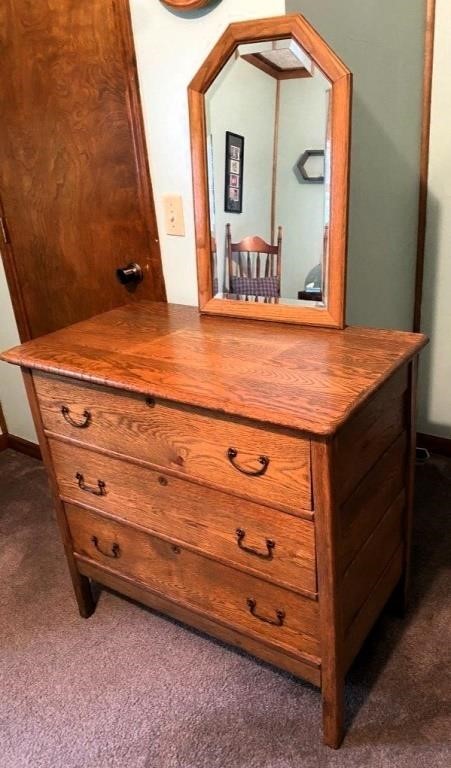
(270, 114)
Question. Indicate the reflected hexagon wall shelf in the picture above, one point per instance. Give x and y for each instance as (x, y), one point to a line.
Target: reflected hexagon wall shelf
(303, 166)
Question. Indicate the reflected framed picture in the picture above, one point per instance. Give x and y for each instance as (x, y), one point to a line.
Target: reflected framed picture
(234, 158)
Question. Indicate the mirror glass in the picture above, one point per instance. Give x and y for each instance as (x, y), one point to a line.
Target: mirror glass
(269, 153)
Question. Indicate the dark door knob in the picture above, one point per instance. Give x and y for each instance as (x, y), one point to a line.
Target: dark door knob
(132, 273)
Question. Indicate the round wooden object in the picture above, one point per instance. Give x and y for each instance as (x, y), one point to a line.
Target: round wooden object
(186, 5)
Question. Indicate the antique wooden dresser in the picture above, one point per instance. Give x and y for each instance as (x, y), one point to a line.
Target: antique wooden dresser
(251, 479)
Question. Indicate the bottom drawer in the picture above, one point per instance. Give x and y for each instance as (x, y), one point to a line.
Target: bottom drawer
(281, 617)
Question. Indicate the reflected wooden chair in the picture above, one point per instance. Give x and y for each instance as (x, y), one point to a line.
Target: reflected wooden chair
(254, 268)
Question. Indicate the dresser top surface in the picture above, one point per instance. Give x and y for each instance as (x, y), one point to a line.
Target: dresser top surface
(309, 379)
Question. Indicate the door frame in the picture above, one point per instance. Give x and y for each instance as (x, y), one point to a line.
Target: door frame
(430, 11)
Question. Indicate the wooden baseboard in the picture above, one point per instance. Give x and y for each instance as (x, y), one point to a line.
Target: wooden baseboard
(3, 442)
(434, 444)
(23, 446)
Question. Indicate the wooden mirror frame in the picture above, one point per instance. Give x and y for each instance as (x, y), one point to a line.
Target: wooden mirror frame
(276, 28)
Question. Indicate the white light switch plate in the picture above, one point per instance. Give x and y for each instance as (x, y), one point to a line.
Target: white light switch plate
(173, 214)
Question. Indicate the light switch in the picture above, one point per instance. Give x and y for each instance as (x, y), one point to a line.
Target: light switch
(173, 214)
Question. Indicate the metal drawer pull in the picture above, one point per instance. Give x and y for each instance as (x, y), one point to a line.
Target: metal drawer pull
(240, 535)
(79, 424)
(280, 614)
(232, 453)
(99, 491)
(115, 548)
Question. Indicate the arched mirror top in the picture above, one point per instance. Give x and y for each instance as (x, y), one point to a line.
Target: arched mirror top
(270, 133)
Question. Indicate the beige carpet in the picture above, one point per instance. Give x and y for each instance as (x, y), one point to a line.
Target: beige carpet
(131, 689)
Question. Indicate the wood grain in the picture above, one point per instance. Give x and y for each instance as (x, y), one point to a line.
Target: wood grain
(200, 518)
(74, 181)
(296, 27)
(371, 499)
(372, 607)
(308, 379)
(193, 442)
(170, 539)
(213, 588)
(329, 592)
(370, 432)
(372, 559)
(80, 583)
(192, 618)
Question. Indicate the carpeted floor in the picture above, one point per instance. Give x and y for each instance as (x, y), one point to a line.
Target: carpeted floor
(131, 689)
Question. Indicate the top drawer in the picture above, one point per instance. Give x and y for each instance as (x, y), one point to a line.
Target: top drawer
(242, 457)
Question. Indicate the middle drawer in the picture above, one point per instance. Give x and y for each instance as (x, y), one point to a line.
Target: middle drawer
(279, 546)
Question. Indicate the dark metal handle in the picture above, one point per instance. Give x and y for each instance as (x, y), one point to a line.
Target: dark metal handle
(232, 453)
(280, 614)
(100, 490)
(268, 555)
(79, 424)
(115, 548)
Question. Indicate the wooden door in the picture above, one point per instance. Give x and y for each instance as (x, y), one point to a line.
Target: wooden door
(75, 193)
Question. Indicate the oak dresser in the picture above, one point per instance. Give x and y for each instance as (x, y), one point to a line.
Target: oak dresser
(253, 480)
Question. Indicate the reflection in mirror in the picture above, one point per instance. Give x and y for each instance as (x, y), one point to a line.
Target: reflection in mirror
(269, 153)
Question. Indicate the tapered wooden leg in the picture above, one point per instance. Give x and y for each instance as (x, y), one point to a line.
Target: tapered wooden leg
(82, 590)
(333, 711)
(331, 633)
(397, 603)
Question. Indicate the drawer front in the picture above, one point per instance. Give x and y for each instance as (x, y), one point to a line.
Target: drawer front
(268, 465)
(271, 543)
(238, 599)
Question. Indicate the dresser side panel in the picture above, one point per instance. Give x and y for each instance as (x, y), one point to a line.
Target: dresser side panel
(375, 510)
(367, 434)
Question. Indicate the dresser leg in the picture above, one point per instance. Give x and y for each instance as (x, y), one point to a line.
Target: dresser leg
(333, 713)
(83, 594)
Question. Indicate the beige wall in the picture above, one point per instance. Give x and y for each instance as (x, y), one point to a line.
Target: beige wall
(381, 41)
(435, 368)
(169, 50)
(300, 206)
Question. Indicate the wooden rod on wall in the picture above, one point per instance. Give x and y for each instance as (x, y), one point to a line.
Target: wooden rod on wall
(424, 158)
